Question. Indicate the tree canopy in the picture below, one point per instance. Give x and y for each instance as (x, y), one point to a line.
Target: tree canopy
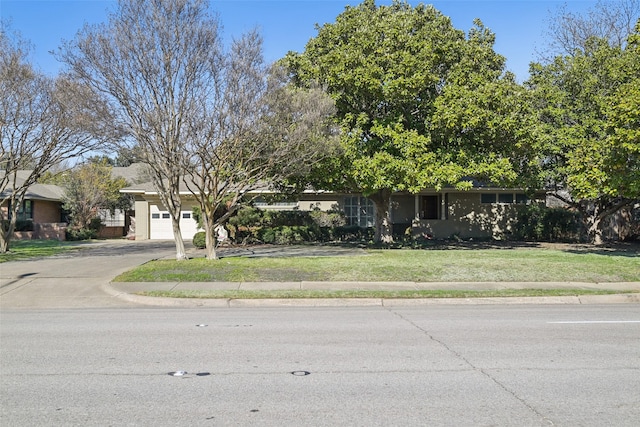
(155, 61)
(43, 122)
(587, 127)
(421, 103)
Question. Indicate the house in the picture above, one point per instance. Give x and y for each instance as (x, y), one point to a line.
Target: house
(42, 215)
(41, 212)
(482, 212)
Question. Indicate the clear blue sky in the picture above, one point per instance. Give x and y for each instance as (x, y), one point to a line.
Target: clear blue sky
(288, 24)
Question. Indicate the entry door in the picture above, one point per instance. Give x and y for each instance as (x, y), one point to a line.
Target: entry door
(431, 207)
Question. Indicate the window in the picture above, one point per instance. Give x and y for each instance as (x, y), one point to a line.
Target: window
(488, 198)
(522, 198)
(359, 211)
(155, 216)
(166, 216)
(505, 198)
(25, 212)
(186, 215)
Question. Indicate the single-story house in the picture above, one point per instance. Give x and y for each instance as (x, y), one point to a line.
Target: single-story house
(42, 207)
(481, 212)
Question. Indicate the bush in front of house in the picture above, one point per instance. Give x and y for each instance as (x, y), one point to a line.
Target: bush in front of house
(21, 225)
(543, 224)
(200, 240)
(84, 233)
(252, 225)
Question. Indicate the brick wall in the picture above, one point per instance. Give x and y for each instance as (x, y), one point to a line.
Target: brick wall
(46, 211)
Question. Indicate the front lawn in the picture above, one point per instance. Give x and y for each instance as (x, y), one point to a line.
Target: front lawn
(25, 249)
(436, 265)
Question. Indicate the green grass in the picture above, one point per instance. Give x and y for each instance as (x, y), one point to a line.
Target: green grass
(452, 265)
(315, 294)
(25, 249)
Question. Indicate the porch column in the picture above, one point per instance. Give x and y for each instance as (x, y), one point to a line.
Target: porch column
(416, 207)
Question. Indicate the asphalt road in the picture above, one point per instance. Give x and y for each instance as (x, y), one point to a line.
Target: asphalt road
(524, 365)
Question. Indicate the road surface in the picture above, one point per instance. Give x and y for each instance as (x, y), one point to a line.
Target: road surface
(480, 365)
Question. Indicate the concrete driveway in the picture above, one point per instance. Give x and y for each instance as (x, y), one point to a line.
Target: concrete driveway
(78, 278)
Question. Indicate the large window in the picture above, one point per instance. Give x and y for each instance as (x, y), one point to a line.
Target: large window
(359, 211)
(25, 212)
(504, 198)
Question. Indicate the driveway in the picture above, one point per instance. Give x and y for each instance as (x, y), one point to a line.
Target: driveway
(78, 278)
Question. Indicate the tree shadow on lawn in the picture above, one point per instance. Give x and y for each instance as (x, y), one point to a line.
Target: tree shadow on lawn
(627, 249)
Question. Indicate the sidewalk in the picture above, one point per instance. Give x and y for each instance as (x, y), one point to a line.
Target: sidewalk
(129, 291)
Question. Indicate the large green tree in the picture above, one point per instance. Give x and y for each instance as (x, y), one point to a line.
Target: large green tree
(587, 130)
(421, 104)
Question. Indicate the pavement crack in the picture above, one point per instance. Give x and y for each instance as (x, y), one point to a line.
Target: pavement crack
(475, 368)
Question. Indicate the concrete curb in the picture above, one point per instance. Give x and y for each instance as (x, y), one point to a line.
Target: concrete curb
(633, 298)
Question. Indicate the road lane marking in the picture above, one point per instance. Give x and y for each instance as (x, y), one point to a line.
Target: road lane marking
(582, 322)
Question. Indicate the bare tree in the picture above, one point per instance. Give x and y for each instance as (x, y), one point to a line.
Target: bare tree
(43, 122)
(154, 60)
(253, 132)
(610, 20)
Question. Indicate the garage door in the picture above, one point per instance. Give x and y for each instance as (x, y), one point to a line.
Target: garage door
(160, 224)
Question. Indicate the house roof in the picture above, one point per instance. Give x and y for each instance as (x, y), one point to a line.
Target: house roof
(133, 173)
(36, 191)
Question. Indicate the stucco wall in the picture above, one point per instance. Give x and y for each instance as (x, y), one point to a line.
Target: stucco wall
(467, 217)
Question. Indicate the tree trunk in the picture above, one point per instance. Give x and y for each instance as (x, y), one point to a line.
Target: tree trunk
(4, 243)
(593, 223)
(383, 226)
(7, 234)
(181, 253)
(210, 236)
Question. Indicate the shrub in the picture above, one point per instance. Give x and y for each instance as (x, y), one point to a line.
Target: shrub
(84, 233)
(200, 240)
(246, 217)
(328, 218)
(540, 223)
(285, 235)
(21, 225)
(80, 233)
(353, 233)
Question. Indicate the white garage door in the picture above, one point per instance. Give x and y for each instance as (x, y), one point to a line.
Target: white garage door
(160, 224)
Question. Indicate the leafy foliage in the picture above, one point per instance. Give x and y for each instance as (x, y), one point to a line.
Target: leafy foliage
(587, 132)
(542, 224)
(89, 188)
(199, 240)
(421, 104)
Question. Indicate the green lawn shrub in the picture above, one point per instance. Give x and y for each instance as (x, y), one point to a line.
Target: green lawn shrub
(21, 225)
(251, 225)
(200, 240)
(88, 232)
(543, 224)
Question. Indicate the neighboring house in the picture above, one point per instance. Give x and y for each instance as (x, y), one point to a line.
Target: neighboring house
(42, 206)
(481, 212)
